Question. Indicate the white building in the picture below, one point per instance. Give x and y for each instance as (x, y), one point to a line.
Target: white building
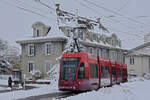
(138, 59)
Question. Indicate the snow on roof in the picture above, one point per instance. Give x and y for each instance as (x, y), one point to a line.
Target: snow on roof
(55, 31)
(101, 43)
(53, 34)
(138, 53)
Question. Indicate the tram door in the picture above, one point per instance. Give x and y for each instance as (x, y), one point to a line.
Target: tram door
(105, 76)
(113, 75)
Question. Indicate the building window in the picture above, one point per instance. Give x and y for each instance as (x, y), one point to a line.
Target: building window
(113, 42)
(48, 48)
(91, 37)
(104, 53)
(80, 34)
(68, 33)
(113, 55)
(119, 56)
(31, 66)
(94, 51)
(31, 50)
(91, 50)
(149, 65)
(98, 52)
(48, 65)
(39, 32)
(131, 61)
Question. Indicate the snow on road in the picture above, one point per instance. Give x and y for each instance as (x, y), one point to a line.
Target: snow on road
(136, 90)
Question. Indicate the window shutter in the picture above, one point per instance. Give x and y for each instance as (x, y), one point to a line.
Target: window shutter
(53, 48)
(43, 49)
(34, 51)
(26, 50)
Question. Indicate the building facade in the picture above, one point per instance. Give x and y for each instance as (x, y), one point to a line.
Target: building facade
(138, 59)
(48, 43)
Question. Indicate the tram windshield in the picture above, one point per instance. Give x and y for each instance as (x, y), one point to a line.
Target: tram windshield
(68, 68)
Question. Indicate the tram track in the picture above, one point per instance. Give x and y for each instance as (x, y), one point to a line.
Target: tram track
(51, 96)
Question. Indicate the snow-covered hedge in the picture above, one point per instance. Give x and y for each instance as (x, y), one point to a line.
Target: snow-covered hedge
(147, 76)
(35, 73)
(53, 74)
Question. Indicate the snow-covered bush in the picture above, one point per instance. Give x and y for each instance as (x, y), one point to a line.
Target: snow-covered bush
(53, 74)
(35, 74)
(147, 76)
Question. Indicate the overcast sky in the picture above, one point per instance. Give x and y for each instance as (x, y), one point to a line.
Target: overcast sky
(16, 24)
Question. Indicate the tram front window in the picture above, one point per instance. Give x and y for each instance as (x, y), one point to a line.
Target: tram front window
(68, 68)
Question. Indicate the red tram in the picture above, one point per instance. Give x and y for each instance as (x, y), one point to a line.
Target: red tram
(83, 72)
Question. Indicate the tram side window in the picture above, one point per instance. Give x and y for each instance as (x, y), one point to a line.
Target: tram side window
(105, 72)
(96, 71)
(119, 72)
(81, 73)
(124, 72)
(102, 71)
(93, 71)
(114, 71)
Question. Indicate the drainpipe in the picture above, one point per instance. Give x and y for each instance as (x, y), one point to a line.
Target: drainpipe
(142, 66)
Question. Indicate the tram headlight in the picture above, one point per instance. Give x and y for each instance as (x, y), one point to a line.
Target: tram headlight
(74, 87)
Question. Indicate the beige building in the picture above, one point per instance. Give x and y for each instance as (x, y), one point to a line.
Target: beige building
(138, 59)
(47, 43)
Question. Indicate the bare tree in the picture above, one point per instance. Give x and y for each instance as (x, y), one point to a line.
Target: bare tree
(3, 46)
(9, 53)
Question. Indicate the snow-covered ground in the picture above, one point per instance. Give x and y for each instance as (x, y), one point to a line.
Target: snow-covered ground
(135, 89)
(3, 82)
(40, 90)
(1, 88)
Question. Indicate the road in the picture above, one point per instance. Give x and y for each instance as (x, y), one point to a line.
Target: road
(50, 96)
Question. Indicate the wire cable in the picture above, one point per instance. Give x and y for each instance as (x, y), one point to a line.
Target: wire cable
(114, 20)
(128, 1)
(25, 3)
(109, 19)
(39, 1)
(111, 11)
(27, 10)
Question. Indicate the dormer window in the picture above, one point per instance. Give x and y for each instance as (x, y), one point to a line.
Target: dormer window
(39, 32)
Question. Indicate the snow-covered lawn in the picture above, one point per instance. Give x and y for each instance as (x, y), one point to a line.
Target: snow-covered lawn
(40, 90)
(3, 82)
(138, 89)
